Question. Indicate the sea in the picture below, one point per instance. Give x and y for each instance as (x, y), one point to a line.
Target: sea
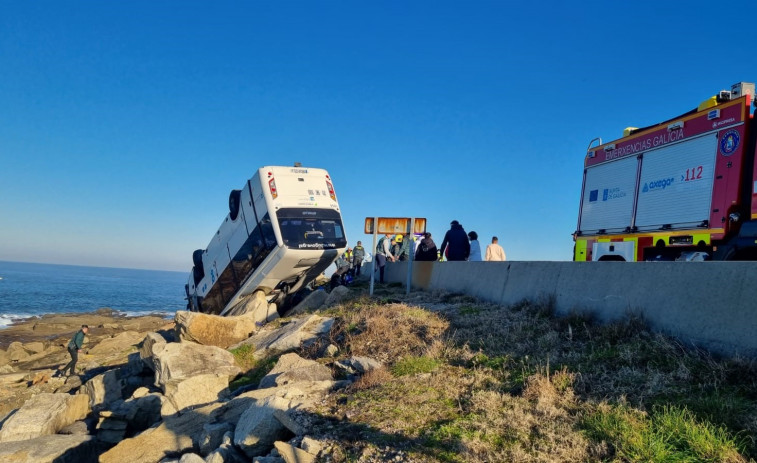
(28, 290)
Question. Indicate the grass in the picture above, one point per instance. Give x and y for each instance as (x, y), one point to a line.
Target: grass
(471, 381)
(254, 370)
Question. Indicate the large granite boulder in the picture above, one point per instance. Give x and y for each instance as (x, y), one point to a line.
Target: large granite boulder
(258, 428)
(292, 454)
(337, 295)
(292, 368)
(182, 360)
(118, 344)
(256, 307)
(55, 448)
(289, 337)
(213, 330)
(104, 389)
(312, 301)
(174, 435)
(197, 390)
(16, 352)
(151, 346)
(44, 414)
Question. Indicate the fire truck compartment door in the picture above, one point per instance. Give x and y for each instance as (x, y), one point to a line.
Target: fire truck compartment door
(676, 184)
(608, 196)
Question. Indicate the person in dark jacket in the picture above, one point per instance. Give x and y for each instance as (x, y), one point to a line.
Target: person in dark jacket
(358, 254)
(426, 249)
(457, 240)
(74, 347)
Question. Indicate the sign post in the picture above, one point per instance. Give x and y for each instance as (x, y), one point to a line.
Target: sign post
(394, 225)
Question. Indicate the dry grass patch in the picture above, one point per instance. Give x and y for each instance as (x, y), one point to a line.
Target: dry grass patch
(386, 332)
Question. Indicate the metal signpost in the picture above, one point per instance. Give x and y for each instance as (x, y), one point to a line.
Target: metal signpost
(394, 225)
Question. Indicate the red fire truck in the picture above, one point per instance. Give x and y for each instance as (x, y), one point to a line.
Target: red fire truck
(683, 189)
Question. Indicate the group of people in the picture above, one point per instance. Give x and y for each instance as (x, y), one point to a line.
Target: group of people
(456, 246)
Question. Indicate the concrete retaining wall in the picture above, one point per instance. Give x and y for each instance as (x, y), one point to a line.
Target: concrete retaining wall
(710, 304)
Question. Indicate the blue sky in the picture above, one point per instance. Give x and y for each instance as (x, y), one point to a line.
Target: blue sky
(124, 125)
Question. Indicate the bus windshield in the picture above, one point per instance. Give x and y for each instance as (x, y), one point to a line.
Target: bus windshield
(311, 228)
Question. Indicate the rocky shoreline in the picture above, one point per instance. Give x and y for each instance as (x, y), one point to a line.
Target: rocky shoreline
(155, 390)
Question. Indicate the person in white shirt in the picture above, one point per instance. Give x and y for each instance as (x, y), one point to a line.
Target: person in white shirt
(494, 251)
(475, 247)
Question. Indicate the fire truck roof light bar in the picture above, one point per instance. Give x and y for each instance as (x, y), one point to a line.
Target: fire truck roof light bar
(675, 126)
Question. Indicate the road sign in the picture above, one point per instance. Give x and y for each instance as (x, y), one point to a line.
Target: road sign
(395, 225)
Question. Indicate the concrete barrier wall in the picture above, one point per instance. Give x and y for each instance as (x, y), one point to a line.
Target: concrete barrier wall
(710, 304)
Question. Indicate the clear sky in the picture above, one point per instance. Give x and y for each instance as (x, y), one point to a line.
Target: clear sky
(124, 125)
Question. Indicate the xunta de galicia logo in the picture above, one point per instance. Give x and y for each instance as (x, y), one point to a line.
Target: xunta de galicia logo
(729, 142)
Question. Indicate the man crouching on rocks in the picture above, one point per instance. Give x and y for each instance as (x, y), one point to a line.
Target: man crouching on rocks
(74, 347)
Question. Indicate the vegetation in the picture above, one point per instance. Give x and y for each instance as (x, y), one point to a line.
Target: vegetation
(466, 381)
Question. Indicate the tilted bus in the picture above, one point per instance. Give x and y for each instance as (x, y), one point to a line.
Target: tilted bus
(283, 229)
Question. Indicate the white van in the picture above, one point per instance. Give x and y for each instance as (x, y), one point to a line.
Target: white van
(283, 229)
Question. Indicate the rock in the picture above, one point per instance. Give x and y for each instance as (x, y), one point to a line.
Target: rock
(186, 359)
(289, 337)
(34, 347)
(143, 412)
(331, 350)
(79, 428)
(151, 346)
(312, 446)
(135, 366)
(191, 458)
(41, 378)
(4, 358)
(213, 330)
(5, 369)
(313, 301)
(122, 342)
(256, 307)
(16, 352)
(140, 392)
(361, 364)
(12, 378)
(50, 449)
(257, 428)
(197, 390)
(268, 460)
(104, 389)
(337, 295)
(175, 435)
(292, 454)
(44, 414)
(212, 436)
(293, 421)
(226, 454)
(292, 368)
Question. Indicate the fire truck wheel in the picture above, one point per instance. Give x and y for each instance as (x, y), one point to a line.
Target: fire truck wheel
(234, 199)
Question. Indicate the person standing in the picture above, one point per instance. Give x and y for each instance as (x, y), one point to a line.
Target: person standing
(383, 252)
(475, 247)
(74, 347)
(494, 251)
(358, 254)
(404, 249)
(459, 246)
(426, 249)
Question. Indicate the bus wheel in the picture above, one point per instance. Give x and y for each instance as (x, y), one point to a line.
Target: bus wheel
(235, 198)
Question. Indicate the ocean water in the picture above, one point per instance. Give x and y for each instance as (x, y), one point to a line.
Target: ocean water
(28, 290)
